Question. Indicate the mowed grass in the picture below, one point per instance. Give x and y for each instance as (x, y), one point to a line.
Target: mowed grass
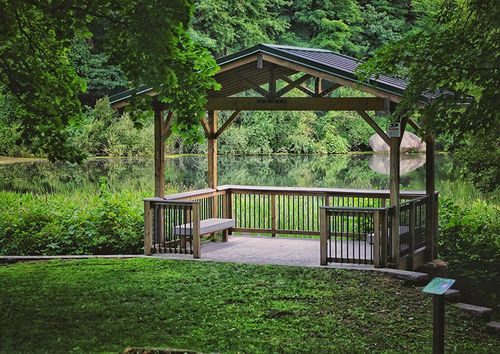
(107, 305)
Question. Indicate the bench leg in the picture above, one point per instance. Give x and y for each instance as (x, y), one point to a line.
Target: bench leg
(225, 235)
(183, 242)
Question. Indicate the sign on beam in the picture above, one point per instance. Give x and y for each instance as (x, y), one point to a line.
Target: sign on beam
(394, 130)
(295, 104)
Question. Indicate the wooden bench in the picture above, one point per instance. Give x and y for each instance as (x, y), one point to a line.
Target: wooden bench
(207, 226)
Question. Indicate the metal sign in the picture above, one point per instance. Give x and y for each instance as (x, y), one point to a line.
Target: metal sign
(394, 130)
(438, 286)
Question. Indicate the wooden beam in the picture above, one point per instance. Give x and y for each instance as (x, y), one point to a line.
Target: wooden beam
(212, 150)
(404, 122)
(329, 90)
(329, 77)
(292, 85)
(299, 87)
(167, 126)
(205, 126)
(375, 126)
(227, 123)
(234, 64)
(296, 104)
(252, 85)
(159, 152)
(414, 124)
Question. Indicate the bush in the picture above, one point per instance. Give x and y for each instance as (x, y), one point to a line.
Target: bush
(469, 240)
(70, 224)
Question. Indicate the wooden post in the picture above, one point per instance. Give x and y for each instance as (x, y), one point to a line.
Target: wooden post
(323, 237)
(229, 209)
(273, 215)
(212, 159)
(159, 151)
(394, 196)
(430, 186)
(438, 324)
(413, 218)
(212, 150)
(272, 81)
(317, 86)
(377, 257)
(226, 213)
(383, 239)
(196, 231)
(148, 228)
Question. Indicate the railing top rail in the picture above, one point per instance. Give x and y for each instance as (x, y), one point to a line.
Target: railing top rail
(156, 200)
(417, 200)
(314, 190)
(363, 209)
(190, 194)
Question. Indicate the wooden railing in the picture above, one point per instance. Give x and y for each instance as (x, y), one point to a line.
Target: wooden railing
(356, 235)
(171, 227)
(294, 212)
(346, 218)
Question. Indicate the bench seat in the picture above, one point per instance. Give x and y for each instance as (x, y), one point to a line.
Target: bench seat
(207, 226)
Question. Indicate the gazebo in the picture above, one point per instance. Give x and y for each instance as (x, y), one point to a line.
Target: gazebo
(379, 227)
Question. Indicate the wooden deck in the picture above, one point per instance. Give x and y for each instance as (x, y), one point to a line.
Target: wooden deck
(268, 250)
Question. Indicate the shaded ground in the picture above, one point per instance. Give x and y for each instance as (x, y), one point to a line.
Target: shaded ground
(107, 305)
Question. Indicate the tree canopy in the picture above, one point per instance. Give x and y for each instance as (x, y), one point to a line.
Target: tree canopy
(456, 54)
(147, 40)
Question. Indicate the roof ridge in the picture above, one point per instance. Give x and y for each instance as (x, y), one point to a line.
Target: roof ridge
(279, 46)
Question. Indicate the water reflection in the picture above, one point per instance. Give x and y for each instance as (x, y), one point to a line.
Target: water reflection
(408, 163)
(189, 172)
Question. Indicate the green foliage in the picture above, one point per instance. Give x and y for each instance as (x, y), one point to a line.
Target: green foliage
(83, 223)
(456, 53)
(105, 133)
(225, 26)
(147, 40)
(469, 241)
(11, 129)
(93, 67)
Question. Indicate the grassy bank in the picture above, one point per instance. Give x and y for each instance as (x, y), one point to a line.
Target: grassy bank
(106, 305)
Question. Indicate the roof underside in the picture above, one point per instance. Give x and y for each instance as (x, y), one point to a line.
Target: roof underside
(320, 60)
(324, 63)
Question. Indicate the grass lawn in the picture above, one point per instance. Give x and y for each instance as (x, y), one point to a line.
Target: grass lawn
(107, 305)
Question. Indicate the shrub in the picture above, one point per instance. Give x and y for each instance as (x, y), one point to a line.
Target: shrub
(70, 224)
(469, 240)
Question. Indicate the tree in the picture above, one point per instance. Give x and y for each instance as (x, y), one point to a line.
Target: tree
(325, 24)
(456, 55)
(226, 26)
(93, 67)
(147, 40)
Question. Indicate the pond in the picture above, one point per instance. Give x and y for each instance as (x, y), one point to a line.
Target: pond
(366, 171)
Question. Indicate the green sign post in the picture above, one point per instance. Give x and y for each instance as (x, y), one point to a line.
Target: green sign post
(437, 288)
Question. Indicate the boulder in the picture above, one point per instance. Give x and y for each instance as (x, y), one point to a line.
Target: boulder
(410, 143)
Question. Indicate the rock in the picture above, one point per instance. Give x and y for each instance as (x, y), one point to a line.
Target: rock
(436, 268)
(409, 143)
(493, 326)
(474, 310)
(452, 295)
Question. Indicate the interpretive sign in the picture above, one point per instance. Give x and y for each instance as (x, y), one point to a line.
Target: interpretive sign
(438, 286)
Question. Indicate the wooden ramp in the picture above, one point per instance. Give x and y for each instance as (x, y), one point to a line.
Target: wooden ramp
(262, 250)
